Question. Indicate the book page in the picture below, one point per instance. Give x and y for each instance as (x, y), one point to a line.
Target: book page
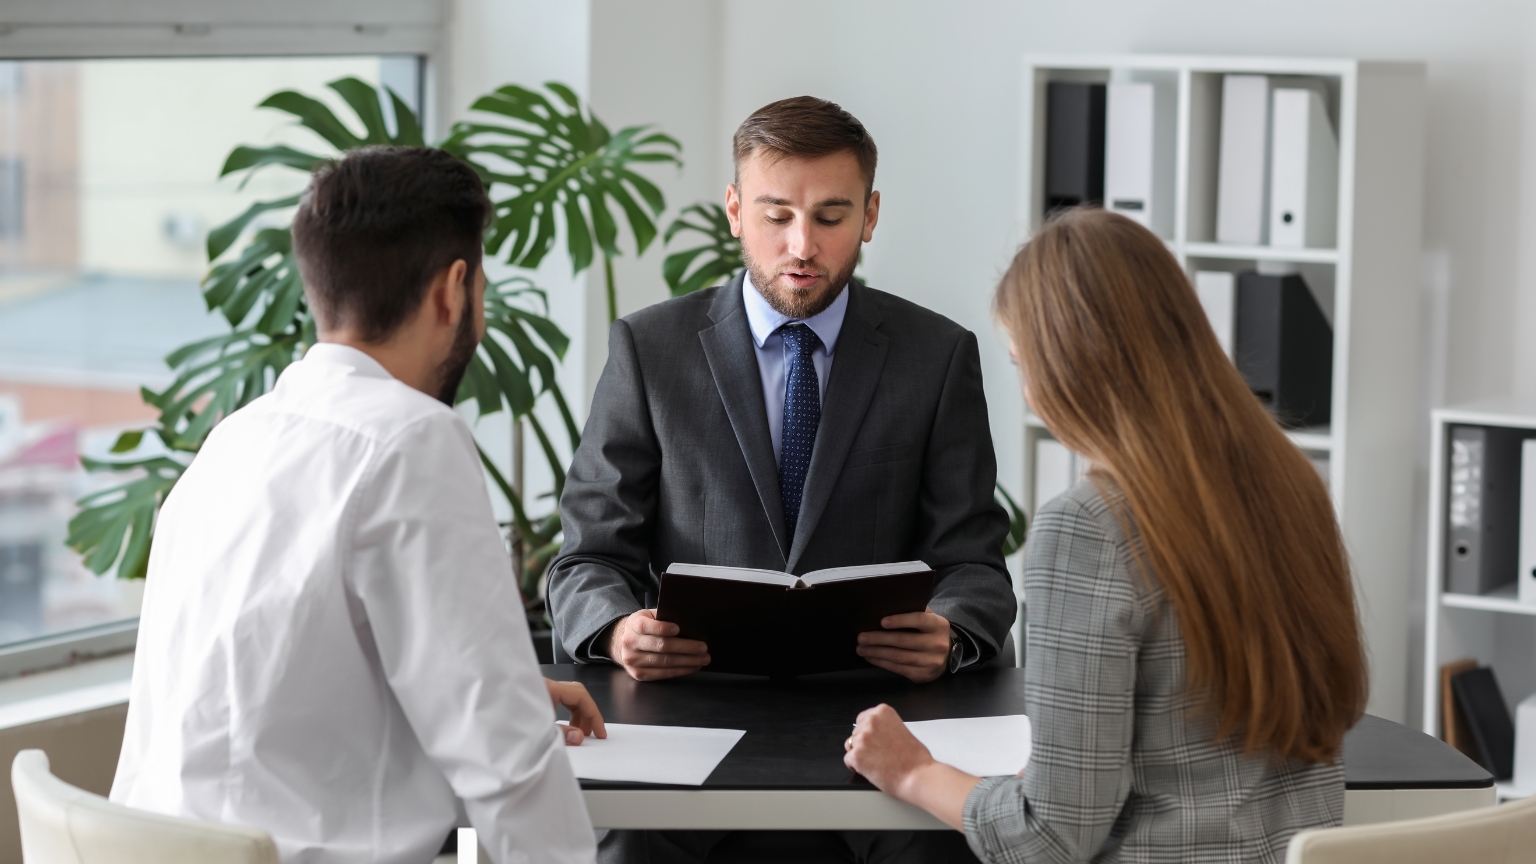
(863, 571)
(739, 574)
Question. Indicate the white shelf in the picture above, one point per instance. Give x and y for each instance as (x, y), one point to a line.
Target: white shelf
(1378, 111)
(1509, 791)
(1261, 253)
(1504, 641)
(1502, 600)
(1315, 438)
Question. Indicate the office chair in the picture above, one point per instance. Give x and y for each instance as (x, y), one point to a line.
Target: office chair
(61, 824)
(1504, 834)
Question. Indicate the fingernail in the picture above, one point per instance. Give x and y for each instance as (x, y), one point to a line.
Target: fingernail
(572, 736)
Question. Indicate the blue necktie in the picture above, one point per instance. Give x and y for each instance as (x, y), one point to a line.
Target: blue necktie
(802, 413)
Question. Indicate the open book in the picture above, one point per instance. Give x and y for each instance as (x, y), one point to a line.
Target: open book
(762, 622)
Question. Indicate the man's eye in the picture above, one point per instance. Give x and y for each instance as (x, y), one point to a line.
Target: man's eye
(777, 220)
(830, 222)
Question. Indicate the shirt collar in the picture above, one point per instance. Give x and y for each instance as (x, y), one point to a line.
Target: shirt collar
(764, 319)
(335, 354)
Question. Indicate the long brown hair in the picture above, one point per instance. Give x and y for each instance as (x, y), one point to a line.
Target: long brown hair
(1121, 363)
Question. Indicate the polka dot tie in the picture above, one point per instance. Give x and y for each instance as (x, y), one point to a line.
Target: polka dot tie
(802, 413)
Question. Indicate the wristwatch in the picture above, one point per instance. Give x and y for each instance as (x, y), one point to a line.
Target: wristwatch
(956, 651)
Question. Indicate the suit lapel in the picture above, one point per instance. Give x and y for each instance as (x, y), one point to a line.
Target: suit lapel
(732, 357)
(856, 366)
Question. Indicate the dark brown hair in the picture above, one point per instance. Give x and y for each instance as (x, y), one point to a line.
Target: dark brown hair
(373, 230)
(1121, 363)
(805, 127)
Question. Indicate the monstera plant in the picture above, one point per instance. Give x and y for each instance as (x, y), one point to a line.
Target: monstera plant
(543, 160)
(717, 259)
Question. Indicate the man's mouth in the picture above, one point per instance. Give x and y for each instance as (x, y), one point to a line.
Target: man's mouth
(801, 278)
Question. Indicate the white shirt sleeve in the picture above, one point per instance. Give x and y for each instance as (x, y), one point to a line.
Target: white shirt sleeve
(435, 587)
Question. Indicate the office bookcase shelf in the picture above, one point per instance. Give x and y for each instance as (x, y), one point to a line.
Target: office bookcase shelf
(1261, 253)
(1495, 629)
(1366, 285)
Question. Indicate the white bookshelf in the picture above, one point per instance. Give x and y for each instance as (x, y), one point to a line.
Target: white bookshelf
(1367, 284)
(1495, 629)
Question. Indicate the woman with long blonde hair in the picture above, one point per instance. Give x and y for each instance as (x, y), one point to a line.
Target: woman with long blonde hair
(1193, 650)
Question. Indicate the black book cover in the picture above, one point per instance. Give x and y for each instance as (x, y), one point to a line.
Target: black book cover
(756, 628)
(1488, 717)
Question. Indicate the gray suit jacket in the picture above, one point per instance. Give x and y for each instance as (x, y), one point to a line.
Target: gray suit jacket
(1126, 766)
(676, 464)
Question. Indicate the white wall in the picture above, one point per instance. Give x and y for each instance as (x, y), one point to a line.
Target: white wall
(489, 43)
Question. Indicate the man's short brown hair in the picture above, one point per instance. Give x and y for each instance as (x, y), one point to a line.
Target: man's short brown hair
(374, 229)
(805, 127)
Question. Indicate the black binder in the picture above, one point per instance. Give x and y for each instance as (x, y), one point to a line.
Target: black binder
(1493, 729)
(1482, 508)
(1284, 348)
(1074, 144)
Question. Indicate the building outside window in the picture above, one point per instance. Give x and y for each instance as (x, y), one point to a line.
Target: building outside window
(108, 187)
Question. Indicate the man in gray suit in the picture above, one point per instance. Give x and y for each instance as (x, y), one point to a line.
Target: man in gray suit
(793, 419)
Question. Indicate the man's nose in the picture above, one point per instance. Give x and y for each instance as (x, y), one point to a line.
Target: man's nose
(802, 241)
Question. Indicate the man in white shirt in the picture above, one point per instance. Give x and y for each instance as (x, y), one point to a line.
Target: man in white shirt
(332, 646)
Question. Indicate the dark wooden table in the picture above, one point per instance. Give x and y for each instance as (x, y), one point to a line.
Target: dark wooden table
(787, 771)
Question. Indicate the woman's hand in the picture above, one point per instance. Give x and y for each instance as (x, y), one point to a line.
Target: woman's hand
(883, 750)
(886, 752)
(585, 718)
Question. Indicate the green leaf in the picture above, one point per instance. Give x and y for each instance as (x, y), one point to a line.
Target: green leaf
(221, 237)
(717, 260)
(128, 441)
(242, 158)
(407, 127)
(363, 98)
(567, 172)
(315, 116)
(1018, 523)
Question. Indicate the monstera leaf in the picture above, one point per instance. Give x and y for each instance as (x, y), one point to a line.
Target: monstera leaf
(717, 259)
(258, 292)
(562, 166)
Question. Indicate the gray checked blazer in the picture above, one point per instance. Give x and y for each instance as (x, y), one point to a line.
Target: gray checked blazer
(1125, 767)
(676, 464)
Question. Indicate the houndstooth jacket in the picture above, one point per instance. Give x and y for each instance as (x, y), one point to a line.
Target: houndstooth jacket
(1124, 766)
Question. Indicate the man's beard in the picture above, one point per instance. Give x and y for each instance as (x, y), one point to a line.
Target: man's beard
(799, 303)
(451, 371)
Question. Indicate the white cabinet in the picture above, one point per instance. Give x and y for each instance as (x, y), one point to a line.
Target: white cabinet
(1367, 284)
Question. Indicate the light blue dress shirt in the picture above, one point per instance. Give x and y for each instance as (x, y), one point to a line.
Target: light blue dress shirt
(773, 355)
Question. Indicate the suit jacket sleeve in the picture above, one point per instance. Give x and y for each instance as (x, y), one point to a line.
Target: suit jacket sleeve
(960, 525)
(608, 506)
(1086, 620)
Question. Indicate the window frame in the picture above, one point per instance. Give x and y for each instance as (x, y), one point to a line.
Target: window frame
(53, 30)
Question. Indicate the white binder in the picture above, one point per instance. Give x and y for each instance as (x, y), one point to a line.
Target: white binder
(1242, 176)
(1217, 291)
(1527, 557)
(1128, 119)
(1303, 172)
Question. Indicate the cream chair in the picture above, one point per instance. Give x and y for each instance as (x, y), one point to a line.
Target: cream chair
(1505, 834)
(64, 825)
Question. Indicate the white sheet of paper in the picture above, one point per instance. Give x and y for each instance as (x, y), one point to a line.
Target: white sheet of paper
(677, 755)
(983, 746)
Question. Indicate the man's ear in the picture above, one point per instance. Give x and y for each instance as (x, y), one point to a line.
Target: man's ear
(871, 215)
(446, 295)
(733, 208)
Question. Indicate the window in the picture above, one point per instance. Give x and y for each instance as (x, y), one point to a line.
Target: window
(108, 187)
